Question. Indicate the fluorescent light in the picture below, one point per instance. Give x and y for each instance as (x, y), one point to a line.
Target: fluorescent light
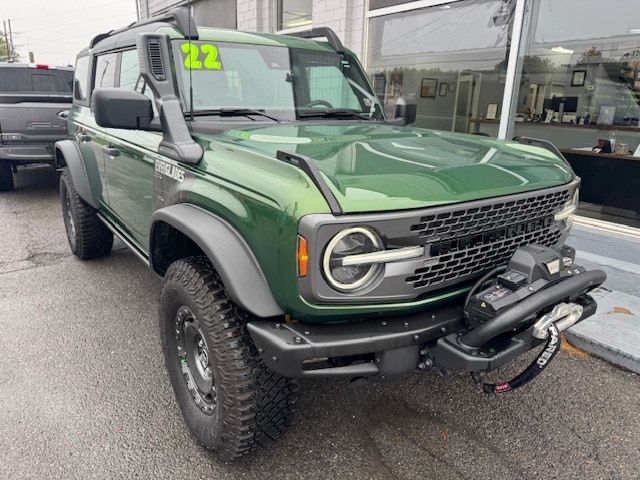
(634, 30)
(562, 50)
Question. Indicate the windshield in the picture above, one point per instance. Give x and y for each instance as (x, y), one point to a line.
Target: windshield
(282, 83)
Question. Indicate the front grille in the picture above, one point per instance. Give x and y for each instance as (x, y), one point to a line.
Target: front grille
(464, 242)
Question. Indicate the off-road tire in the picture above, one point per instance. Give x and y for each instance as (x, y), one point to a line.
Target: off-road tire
(253, 405)
(88, 236)
(6, 176)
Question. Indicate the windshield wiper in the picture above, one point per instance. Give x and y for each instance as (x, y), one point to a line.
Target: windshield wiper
(234, 112)
(333, 113)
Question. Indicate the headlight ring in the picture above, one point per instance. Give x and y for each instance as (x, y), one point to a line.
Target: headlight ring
(351, 241)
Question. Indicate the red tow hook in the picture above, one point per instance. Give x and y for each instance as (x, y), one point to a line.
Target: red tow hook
(532, 371)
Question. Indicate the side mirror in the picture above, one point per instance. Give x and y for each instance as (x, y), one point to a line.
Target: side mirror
(120, 108)
(406, 109)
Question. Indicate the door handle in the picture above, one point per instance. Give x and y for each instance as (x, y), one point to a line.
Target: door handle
(112, 152)
(83, 137)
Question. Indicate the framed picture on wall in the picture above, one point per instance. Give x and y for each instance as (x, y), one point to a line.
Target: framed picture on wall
(428, 88)
(578, 78)
(444, 88)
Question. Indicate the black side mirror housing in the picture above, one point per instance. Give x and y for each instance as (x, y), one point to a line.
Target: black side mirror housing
(406, 110)
(121, 108)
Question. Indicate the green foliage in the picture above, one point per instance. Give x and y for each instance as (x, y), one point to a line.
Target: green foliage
(3, 51)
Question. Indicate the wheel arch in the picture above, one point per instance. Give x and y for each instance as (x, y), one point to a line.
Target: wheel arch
(67, 153)
(193, 230)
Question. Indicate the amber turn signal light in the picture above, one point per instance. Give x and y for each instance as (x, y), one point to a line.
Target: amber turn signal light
(303, 257)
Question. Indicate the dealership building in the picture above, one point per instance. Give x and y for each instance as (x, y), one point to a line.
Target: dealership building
(566, 71)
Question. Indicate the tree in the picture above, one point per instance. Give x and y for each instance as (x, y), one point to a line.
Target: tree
(4, 54)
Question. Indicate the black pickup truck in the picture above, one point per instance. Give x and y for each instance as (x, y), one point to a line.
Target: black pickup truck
(34, 102)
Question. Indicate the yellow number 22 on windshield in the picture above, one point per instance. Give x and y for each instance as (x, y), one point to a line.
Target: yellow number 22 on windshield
(192, 59)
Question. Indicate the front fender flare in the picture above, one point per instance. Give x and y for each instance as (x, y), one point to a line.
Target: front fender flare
(225, 248)
(75, 166)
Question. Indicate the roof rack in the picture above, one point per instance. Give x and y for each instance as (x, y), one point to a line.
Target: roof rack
(180, 18)
(330, 35)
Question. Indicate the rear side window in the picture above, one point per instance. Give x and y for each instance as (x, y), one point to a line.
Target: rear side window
(35, 80)
(81, 80)
(106, 70)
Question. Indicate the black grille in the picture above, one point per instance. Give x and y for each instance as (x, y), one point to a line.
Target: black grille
(155, 56)
(465, 242)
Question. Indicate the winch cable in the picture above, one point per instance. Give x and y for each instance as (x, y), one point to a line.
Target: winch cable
(532, 371)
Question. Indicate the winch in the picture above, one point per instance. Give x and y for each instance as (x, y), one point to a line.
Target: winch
(531, 269)
(514, 308)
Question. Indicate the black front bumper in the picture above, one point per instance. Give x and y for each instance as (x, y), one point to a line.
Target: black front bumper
(408, 343)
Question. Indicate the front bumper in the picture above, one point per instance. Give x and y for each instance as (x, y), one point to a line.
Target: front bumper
(425, 340)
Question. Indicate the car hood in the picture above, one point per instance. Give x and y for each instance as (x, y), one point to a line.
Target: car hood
(378, 166)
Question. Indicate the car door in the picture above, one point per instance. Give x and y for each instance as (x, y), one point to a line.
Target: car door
(91, 136)
(129, 164)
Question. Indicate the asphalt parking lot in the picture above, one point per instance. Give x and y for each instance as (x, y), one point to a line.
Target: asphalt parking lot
(84, 393)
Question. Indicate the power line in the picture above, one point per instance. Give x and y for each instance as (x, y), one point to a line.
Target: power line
(129, 14)
(62, 12)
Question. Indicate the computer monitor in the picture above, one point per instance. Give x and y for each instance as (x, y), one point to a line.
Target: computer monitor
(570, 104)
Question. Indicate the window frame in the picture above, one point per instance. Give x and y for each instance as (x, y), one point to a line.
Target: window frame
(89, 80)
(279, 21)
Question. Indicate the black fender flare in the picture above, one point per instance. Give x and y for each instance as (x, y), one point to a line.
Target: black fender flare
(75, 166)
(225, 248)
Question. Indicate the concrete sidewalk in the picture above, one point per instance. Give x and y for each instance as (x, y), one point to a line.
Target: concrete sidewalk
(613, 333)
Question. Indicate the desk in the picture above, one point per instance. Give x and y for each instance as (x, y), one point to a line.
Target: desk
(607, 179)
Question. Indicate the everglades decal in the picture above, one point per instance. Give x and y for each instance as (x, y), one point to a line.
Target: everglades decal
(170, 170)
(201, 56)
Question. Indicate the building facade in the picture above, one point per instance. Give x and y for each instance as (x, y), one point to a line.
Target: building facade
(566, 71)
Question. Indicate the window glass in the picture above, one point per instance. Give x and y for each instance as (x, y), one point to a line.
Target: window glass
(328, 83)
(286, 83)
(580, 89)
(130, 71)
(450, 58)
(294, 13)
(81, 79)
(105, 71)
(28, 79)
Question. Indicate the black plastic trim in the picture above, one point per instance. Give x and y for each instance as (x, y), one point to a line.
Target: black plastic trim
(75, 166)
(309, 167)
(326, 32)
(226, 250)
(285, 346)
(508, 319)
(450, 354)
(539, 142)
(180, 18)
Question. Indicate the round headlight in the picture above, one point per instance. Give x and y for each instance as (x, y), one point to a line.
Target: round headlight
(352, 241)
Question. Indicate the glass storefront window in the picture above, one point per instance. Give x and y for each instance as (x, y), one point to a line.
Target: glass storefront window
(452, 59)
(580, 89)
(294, 13)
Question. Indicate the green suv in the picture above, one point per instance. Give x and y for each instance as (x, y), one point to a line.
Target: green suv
(300, 233)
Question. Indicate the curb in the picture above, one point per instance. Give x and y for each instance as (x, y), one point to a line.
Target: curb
(613, 333)
(605, 352)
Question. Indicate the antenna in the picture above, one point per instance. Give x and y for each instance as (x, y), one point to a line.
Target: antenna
(190, 69)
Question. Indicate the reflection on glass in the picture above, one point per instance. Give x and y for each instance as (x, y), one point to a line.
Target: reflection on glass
(580, 89)
(294, 13)
(451, 59)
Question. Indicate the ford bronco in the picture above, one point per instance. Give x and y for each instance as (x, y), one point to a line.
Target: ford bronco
(299, 232)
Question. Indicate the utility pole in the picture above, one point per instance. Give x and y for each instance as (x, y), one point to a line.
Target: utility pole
(10, 39)
(6, 40)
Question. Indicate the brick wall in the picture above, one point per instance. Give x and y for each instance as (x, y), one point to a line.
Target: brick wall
(345, 17)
